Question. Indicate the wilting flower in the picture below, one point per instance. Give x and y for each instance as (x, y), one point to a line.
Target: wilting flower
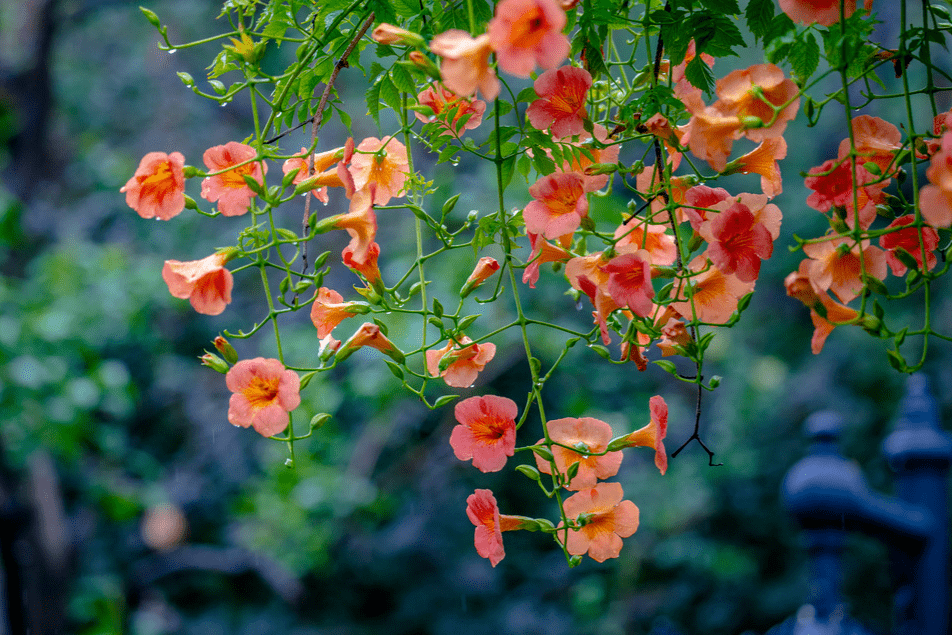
(542, 252)
(486, 432)
(381, 163)
(265, 392)
(609, 520)
(484, 269)
(836, 265)
(229, 188)
(329, 309)
(465, 64)
(714, 294)
(206, 283)
(157, 189)
(528, 32)
(737, 242)
(483, 511)
(908, 240)
(559, 205)
(585, 433)
(561, 103)
(458, 363)
(448, 108)
(823, 12)
(651, 435)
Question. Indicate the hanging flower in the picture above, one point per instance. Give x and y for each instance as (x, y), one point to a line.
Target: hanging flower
(763, 160)
(229, 188)
(755, 92)
(835, 315)
(369, 334)
(823, 12)
(836, 265)
(205, 283)
(656, 241)
(737, 242)
(585, 433)
(629, 281)
(465, 66)
(876, 141)
(486, 432)
(483, 511)
(157, 189)
(264, 393)
(651, 435)
(609, 520)
(329, 309)
(458, 363)
(714, 294)
(561, 103)
(528, 32)
(832, 184)
(542, 252)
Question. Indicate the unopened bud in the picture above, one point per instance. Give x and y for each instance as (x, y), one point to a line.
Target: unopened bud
(425, 64)
(214, 362)
(601, 168)
(226, 349)
(751, 121)
(389, 34)
(484, 269)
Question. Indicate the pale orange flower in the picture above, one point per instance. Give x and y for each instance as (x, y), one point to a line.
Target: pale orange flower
(762, 160)
(876, 141)
(206, 283)
(329, 309)
(229, 188)
(385, 33)
(559, 205)
(710, 135)
(798, 284)
(366, 267)
(656, 241)
(715, 294)
(542, 252)
(737, 96)
(465, 64)
(360, 223)
(528, 32)
(836, 314)
(674, 332)
(264, 393)
(312, 168)
(589, 434)
(382, 163)
(461, 361)
(486, 432)
(484, 269)
(369, 334)
(580, 165)
(836, 270)
(935, 199)
(611, 520)
(157, 189)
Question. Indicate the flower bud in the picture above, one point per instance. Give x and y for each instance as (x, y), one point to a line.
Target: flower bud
(425, 64)
(215, 363)
(484, 268)
(226, 349)
(750, 121)
(601, 168)
(389, 34)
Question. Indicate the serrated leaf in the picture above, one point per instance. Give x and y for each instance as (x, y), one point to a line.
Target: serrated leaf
(805, 56)
(700, 75)
(403, 80)
(389, 94)
(759, 14)
(373, 102)
(729, 7)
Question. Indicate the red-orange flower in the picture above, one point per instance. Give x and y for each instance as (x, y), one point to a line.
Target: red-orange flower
(367, 267)
(461, 361)
(629, 281)
(528, 32)
(585, 433)
(369, 334)
(586, 274)
(737, 242)
(714, 293)
(609, 520)
(561, 103)
(206, 283)
(448, 108)
(483, 511)
(823, 12)
(157, 189)
(486, 432)
(465, 64)
(832, 184)
(542, 251)
(652, 435)
(559, 205)
(908, 240)
(229, 188)
(329, 309)
(836, 265)
(265, 392)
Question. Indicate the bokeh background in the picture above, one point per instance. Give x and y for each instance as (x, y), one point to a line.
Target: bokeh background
(129, 504)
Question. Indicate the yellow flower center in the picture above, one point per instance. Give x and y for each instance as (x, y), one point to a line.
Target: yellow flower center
(262, 391)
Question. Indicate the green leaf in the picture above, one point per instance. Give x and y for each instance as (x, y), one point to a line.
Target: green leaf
(759, 14)
(508, 168)
(403, 80)
(466, 322)
(722, 6)
(601, 350)
(805, 56)
(668, 366)
(373, 102)
(700, 75)
(389, 93)
(445, 399)
(897, 361)
(395, 369)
